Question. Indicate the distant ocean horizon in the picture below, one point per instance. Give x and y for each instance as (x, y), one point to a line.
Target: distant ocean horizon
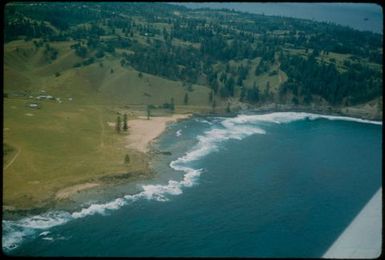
(359, 16)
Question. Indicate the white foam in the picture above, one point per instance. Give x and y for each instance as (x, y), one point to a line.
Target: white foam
(203, 121)
(237, 128)
(15, 235)
(99, 208)
(45, 221)
(208, 142)
(179, 132)
(287, 117)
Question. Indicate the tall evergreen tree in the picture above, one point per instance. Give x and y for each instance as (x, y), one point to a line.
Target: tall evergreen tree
(126, 159)
(243, 94)
(185, 101)
(148, 112)
(125, 126)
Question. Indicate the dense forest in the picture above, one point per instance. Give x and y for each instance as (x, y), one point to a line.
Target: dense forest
(232, 53)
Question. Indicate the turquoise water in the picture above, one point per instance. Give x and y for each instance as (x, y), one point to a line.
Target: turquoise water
(275, 185)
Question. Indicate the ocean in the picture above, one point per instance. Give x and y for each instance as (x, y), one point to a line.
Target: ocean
(359, 16)
(254, 185)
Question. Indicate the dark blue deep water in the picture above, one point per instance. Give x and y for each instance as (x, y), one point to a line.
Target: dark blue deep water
(276, 185)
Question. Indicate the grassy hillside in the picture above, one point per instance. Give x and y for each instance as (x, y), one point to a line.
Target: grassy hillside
(104, 82)
(100, 59)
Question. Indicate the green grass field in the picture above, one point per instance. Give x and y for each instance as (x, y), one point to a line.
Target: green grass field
(60, 145)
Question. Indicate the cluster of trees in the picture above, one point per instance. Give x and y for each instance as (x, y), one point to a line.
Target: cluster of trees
(307, 77)
(218, 48)
(49, 52)
(173, 62)
(198, 48)
(118, 126)
(60, 15)
(308, 34)
(80, 50)
(22, 27)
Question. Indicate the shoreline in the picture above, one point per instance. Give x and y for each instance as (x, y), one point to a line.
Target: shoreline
(362, 238)
(63, 200)
(326, 110)
(322, 110)
(142, 133)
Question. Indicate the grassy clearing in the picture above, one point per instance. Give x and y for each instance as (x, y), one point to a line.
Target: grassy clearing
(103, 82)
(60, 145)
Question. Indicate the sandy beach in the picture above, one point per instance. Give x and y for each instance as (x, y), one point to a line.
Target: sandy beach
(362, 238)
(142, 131)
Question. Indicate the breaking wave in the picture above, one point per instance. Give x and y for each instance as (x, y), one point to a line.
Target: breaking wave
(237, 128)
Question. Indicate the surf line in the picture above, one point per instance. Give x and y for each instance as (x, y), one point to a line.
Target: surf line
(237, 128)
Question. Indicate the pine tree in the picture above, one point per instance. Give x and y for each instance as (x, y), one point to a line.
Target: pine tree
(148, 112)
(125, 126)
(185, 101)
(243, 94)
(127, 159)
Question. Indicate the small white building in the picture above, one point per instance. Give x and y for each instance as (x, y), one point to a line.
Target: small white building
(33, 105)
(45, 97)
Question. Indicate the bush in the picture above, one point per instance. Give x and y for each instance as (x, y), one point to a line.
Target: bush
(127, 159)
(89, 61)
(273, 73)
(99, 54)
